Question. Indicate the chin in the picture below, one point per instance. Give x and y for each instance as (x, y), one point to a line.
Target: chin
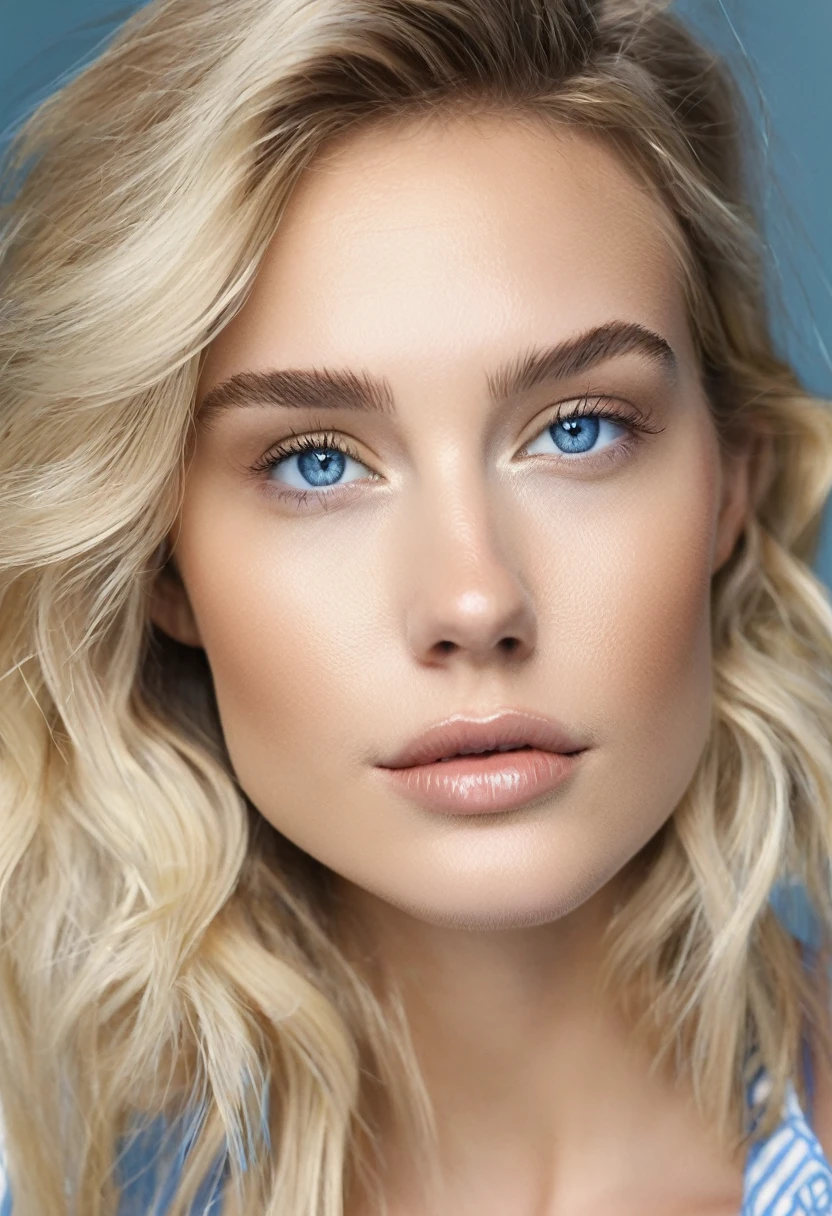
(483, 914)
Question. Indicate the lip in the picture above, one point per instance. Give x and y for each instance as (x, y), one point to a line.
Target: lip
(476, 785)
(481, 785)
(509, 727)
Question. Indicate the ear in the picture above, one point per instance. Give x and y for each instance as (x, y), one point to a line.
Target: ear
(170, 608)
(734, 502)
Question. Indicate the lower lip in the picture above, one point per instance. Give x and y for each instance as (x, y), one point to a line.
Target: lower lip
(477, 785)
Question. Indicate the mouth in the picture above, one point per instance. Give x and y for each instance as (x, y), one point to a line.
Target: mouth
(484, 782)
(524, 747)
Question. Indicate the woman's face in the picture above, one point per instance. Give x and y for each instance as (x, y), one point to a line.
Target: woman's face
(456, 550)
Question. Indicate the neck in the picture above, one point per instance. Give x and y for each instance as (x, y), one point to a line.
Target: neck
(532, 1072)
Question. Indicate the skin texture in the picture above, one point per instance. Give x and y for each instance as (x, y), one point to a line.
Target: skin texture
(429, 254)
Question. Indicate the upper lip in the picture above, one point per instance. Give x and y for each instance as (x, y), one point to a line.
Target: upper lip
(461, 733)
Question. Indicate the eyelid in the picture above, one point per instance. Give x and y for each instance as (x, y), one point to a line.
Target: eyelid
(300, 441)
(596, 403)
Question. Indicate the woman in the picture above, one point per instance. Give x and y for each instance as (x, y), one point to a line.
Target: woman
(388, 381)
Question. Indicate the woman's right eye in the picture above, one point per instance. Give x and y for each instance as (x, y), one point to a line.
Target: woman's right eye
(309, 464)
(315, 468)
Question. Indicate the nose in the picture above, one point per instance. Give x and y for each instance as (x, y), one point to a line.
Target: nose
(466, 595)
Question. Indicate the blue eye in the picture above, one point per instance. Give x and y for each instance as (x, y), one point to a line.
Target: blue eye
(313, 463)
(317, 467)
(578, 433)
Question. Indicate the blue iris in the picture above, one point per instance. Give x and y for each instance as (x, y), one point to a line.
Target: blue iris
(576, 432)
(318, 465)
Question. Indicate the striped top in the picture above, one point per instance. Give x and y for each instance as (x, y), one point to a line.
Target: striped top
(787, 1174)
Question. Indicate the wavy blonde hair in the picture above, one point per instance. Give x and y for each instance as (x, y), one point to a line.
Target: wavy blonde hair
(163, 951)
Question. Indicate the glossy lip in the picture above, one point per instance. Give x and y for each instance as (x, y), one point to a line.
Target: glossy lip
(483, 785)
(506, 728)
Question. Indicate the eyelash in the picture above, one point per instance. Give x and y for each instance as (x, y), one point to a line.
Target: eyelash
(636, 427)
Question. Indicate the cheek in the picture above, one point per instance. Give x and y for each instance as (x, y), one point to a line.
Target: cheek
(645, 643)
(282, 610)
(651, 597)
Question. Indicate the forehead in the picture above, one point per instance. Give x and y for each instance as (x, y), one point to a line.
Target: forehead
(456, 237)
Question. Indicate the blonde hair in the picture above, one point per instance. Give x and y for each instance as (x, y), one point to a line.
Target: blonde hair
(164, 951)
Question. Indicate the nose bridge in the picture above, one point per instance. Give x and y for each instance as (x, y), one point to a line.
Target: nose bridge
(465, 583)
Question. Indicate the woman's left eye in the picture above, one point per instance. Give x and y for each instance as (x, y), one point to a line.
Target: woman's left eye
(585, 433)
(317, 464)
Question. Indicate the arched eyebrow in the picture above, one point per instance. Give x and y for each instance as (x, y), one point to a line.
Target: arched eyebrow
(322, 388)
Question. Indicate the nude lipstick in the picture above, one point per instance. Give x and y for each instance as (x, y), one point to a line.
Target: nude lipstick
(471, 766)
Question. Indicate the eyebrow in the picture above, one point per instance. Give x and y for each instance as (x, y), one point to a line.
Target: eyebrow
(324, 388)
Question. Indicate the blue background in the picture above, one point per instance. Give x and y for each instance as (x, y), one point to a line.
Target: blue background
(780, 50)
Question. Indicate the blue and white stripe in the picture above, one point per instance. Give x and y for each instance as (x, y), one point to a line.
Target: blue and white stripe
(787, 1174)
